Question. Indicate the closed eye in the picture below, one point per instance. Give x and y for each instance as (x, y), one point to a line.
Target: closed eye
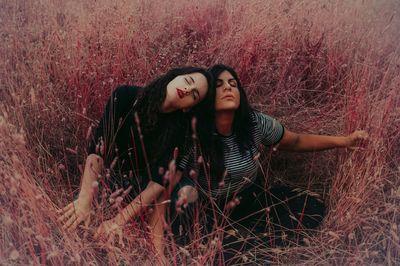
(196, 94)
(187, 81)
(233, 82)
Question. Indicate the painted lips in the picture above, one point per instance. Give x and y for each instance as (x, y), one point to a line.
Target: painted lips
(180, 93)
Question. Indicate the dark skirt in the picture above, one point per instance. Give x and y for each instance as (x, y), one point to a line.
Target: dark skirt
(261, 218)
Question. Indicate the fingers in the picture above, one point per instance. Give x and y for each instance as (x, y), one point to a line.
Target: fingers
(360, 134)
(116, 193)
(110, 239)
(85, 226)
(363, 135)
(96, 235)
(114, 237)
(120, 241)
(73, 222)
(87, 221)
(108, 232)
(99, 232)
(126, 192)
(69, 206)
(357, 138)
(66, 215)
(66, 208)
(70, 221)
(117, 203)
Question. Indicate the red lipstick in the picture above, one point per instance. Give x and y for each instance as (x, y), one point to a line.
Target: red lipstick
(180, 93)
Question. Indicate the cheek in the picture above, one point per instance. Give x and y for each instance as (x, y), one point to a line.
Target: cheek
(188, 103)
(218, 93)
(217, 102)
(237, 96)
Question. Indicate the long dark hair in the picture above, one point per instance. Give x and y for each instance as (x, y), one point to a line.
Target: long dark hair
(241, 125)
(151, 100)
(153, 96)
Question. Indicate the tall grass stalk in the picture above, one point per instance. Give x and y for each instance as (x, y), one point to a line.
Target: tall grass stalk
(317, 66)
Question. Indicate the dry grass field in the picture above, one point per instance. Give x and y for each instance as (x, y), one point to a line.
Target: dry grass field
(326, 67)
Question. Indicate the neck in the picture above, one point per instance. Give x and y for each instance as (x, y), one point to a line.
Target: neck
(167, 106)
(224, 122)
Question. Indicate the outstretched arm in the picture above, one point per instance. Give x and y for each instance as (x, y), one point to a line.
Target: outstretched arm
(307, 142)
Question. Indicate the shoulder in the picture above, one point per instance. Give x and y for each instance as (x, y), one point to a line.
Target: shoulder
(126, 91)
(124, 96)
(259, 117)
(268, 127)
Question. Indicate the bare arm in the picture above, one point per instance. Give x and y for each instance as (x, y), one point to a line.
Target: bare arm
(114, 226)
(93, 167)
(307, 142)
(151, 193)
(79, 210)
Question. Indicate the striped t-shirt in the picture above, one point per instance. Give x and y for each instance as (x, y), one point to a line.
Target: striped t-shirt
(241, 168)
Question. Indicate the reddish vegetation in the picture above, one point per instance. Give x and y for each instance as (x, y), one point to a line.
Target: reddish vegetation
(317, 66)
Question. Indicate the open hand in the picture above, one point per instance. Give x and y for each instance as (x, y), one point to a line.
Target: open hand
(355, 138)
(109, 231)
(74, 214)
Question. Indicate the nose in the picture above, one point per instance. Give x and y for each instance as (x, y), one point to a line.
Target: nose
(227, 86)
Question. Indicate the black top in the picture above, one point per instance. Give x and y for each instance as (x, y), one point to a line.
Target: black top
(117, 137)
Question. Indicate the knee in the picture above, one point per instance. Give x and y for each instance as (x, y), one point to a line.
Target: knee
(94, 161)
(188, 193)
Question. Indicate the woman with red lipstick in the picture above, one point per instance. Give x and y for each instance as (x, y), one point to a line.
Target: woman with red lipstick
(133, 146)
(232, 151)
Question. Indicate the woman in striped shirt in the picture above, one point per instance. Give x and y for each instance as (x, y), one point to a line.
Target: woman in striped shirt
(231, 153)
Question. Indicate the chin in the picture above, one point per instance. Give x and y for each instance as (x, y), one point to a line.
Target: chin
(227, 108)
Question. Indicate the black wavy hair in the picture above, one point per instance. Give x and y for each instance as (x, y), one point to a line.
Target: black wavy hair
(153, 96)
(151, 100)
(241, 125)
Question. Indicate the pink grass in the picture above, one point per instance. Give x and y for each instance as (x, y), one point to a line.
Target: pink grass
(317, 66)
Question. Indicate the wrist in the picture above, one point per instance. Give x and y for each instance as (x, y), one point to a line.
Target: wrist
(347, 141)
(119, 219)
(84, 200)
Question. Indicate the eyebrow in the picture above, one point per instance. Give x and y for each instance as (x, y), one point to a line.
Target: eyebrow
(191, 78)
